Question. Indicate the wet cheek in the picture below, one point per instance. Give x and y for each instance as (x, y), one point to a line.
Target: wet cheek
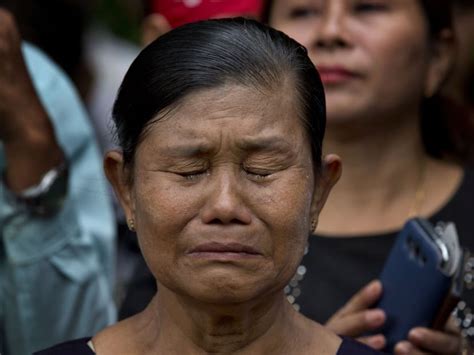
(287, 213)
(161, 199)
(161, 215)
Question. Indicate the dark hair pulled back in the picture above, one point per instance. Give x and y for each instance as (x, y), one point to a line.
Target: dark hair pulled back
(209, 54)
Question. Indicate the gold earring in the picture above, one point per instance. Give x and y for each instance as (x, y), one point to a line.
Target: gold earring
(131, 224)
(313, 225)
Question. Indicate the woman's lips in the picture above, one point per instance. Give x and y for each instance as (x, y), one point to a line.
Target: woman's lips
(335, 74)
(224, 251)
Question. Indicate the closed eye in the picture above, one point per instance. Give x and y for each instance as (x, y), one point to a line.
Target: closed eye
(193, 175)
(257, 174)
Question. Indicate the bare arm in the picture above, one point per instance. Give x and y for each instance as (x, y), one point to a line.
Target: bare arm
(26, 132)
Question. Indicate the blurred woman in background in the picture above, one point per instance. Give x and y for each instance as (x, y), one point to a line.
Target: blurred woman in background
(382, 63)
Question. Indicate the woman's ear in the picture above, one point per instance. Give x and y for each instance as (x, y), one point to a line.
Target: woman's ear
(119, 178)
(442, 59)
(330, 173)
(154, 26)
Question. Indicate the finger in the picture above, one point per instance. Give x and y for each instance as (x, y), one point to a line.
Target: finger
(355, 324)
(376, 342)
(363, 299)
(435, 341)
(7, 22)
(406, 348)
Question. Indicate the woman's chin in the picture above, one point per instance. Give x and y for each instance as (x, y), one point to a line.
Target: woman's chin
(225, 291)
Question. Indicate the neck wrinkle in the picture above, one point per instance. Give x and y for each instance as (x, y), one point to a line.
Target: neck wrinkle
(191, 327)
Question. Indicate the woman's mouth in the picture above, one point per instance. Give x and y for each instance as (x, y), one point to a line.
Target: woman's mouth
(224, 251)
(333, 75)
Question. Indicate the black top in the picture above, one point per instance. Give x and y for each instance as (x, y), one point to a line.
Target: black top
(80, 347)
(339, 267)
(74, 347)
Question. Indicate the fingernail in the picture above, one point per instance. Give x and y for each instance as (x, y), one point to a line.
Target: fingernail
(403, 348)
(377, 341)
(375, 317)
(416, 334)
(374, 287)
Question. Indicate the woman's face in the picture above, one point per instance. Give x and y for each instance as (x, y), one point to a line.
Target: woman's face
(223, 194)
(374, 56)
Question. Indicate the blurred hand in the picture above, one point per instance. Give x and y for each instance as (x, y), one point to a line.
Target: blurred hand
(429, 341)
(16, 89)
(26, 132)
(355, 318)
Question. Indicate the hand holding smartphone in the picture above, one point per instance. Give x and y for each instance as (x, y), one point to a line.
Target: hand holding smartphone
(421, 277)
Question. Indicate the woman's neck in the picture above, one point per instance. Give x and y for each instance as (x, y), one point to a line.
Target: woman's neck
(385, 171)
(172, 324)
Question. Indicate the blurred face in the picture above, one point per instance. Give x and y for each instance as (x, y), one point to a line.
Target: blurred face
(373, 55)
(224, 193)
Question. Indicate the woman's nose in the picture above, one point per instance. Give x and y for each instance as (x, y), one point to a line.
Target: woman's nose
(332, 30)
(225, 202)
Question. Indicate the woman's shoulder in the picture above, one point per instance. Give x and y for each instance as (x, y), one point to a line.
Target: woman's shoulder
(125, 337)
(74, 347)
(352, 347)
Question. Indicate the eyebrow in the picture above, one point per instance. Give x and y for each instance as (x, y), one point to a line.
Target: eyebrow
(264, 144)
(186, 150)
(275, 144)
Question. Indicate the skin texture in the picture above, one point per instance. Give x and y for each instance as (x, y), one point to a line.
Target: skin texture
(390, 64)
(227, 165)
(26, 133)
(202, 182)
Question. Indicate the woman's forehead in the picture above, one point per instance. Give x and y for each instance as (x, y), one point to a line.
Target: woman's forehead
(232, 100)
(230, 110)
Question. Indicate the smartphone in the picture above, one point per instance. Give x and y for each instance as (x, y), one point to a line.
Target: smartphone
(417, 278)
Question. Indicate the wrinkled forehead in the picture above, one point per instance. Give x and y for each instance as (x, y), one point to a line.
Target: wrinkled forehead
(228, 124)
(236, 101)
(234, 109)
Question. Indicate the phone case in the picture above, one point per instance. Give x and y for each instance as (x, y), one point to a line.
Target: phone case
(414, 286)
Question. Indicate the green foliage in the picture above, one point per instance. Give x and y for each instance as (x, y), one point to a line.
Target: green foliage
(122, 17)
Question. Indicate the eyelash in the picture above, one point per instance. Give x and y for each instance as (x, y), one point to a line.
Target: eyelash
(257, 176)
(193, 175)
